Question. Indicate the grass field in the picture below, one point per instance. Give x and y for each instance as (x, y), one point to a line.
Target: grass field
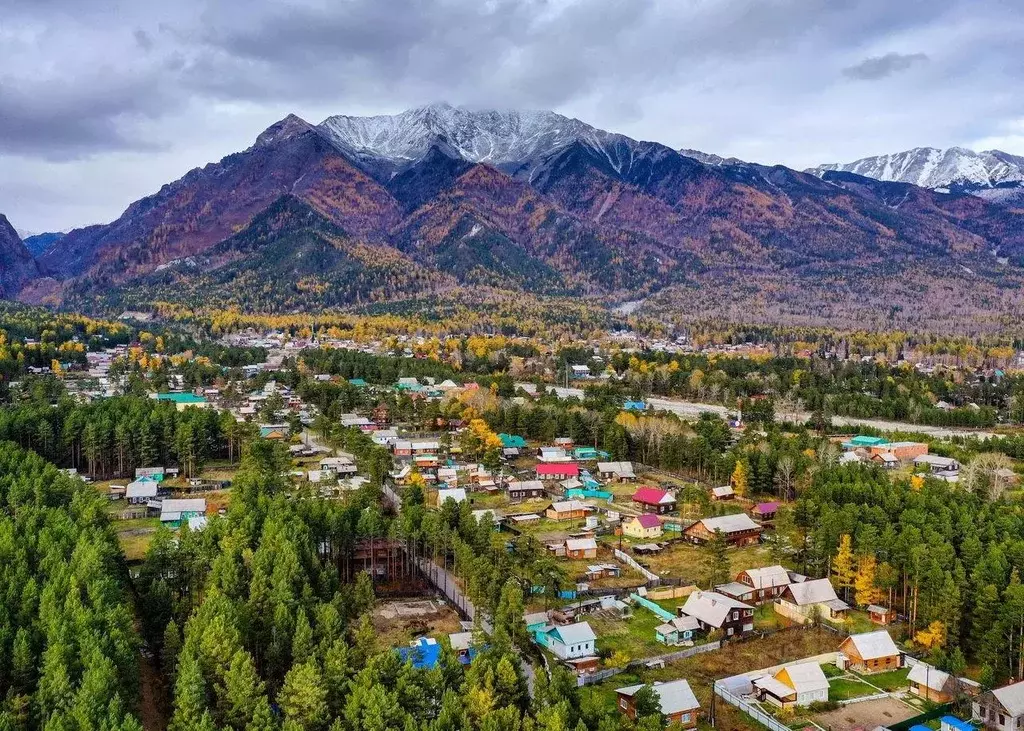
(892, 680)
(843, 689)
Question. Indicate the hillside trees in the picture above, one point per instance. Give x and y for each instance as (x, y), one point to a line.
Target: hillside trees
(68, 649)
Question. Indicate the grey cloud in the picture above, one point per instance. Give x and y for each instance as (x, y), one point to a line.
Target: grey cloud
(879, 67)
(142, 39)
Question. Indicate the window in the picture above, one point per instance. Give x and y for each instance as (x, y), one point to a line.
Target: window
(686, 718)
(623, 704)
(1002, 719)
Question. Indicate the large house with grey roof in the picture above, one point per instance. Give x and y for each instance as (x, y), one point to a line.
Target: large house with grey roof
(1001, 709)
(738, 530)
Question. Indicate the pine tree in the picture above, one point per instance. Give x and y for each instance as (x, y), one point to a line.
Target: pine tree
(302, 641)
(171, 648)
(716, 560)
(303, 697)
(242, 691)
(189, 695)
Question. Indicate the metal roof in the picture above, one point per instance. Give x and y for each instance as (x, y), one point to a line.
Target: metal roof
(873, 645)
(1012, 698)
(815, 591)
(675, 696)
(730, 523)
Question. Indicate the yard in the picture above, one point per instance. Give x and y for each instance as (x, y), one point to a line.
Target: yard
(845, 688)
(735, 658)
(866, 715)
(686, 561)
(399, 622)
(634, 637)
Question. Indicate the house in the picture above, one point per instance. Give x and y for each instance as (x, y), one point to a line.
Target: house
(564, 443)
(936, 464)
(887, 460)
(182, 401)
(580, 371)
(526, 490)
(567, 510)
(1001, 709)
(646, 525)
(676, 630)
(815, 597)
(653, 500)
(423, 652)
(871, 652)
(678, 703)
(603, 570)
(535, 621)
(714, 611)
(725, 492)
(864, 442)
(141, 491)
(580, 548)
(634, 406)
(767, 583)
(738, 530)
(931, 683)
(621, 471)
(523, 519)
(800, 684)
(557, 470)
(902, 451)
(175, 511)
(337, 464)
(553, 454)
(462, 645)
(571, 641)
(952, 723)
(512, 441)
(588, 454)
(457, 494)
(764, 511)
(881, 615)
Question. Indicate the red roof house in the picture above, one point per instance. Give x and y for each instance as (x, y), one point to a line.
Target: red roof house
(765, 511)
(557, 470)
(653, 500)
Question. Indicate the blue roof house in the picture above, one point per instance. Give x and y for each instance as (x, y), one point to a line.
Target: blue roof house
(424, 652)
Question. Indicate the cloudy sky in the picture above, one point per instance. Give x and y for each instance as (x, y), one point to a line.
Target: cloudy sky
(101, 103)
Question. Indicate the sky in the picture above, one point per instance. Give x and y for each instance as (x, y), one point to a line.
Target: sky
(101, 103)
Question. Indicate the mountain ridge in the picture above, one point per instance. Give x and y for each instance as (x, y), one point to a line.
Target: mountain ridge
(535, 203)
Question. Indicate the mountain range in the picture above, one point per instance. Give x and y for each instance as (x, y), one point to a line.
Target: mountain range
(442, 202)
(992, 174)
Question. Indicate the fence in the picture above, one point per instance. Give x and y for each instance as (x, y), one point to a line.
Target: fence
(630, 561)
(674, 592)
(751, 710)
(597, 677)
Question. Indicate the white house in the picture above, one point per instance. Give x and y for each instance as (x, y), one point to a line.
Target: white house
(457, 494)
(571, 641)
(800, 684)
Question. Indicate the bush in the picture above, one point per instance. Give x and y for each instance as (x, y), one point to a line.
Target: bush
(823, 706)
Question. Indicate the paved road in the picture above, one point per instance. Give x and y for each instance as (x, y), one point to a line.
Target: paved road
(693, 409)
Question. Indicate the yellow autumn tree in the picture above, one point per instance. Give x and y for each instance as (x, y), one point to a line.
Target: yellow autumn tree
(739, 478)
(916, 482)
(931, 637)
(842, 565)
(864, 584)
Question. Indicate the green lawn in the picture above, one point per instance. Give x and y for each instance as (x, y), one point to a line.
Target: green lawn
(889, 681)
(843, 689)
(831, 671)
(635, 636)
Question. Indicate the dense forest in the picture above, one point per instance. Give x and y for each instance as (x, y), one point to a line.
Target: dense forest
(68, 647)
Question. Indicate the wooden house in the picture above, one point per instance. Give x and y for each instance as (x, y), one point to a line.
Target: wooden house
(1000, 709)
(580, 548)
(567, 510)
(871, 652)
(738, 530)
(678, 703)
(931, 683)
(525, 490)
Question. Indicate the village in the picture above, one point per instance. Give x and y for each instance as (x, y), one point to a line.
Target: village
(638, 599)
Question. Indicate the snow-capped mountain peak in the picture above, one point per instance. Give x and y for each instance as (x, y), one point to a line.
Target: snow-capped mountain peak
(940, 169)
(498, 137)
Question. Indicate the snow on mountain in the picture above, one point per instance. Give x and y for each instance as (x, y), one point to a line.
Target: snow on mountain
(503, 138)
(940, 169)
(710, 158)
